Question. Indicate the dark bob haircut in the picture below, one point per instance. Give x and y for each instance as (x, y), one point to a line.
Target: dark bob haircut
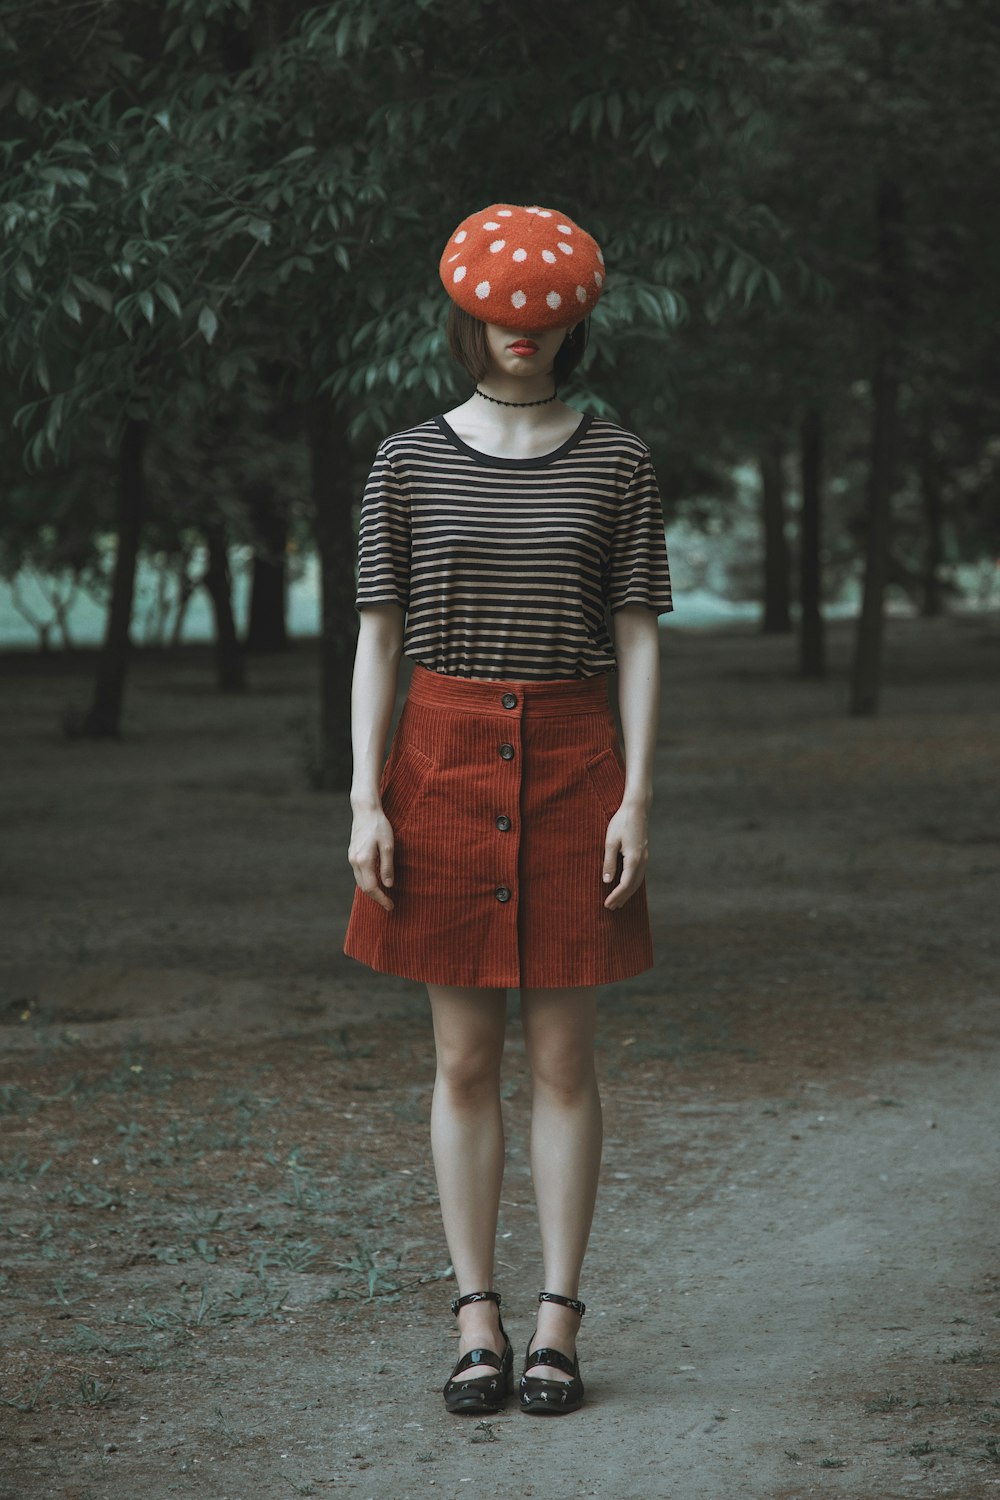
(467, 342)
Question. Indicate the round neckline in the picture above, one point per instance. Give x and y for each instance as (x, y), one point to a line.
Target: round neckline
(494, 460)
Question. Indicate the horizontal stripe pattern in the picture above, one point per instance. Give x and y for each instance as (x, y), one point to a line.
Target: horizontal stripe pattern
(509, 568)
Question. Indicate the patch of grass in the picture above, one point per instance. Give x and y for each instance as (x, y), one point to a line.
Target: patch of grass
(295, 1255)
(94, 1393)
(371, 1277)
(86, 1340)
(198, 1309)
(32, 1403)
(343, 1045)
(18, 1168)
(60, 1298)
(300, 1488)
(88, 1197)
(889, 1402)
(15, 1100)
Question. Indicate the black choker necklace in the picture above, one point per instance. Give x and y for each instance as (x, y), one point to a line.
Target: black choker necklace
(497, 402)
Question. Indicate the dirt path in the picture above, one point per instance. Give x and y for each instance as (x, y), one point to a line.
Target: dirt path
(223, 1274)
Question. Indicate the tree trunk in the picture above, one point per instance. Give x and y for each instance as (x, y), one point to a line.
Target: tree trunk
(103, 719)
(777, 613)
(266, 629)
(332, 497)
(866, 672)
(812, 642)
(933, 508)
(229, 673)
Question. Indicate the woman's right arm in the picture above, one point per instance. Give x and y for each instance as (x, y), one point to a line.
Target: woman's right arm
(373, 696)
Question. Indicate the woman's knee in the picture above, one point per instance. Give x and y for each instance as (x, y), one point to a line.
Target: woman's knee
(469, 1069)
(563, 1067)
(469, 1042)
(559, 1037)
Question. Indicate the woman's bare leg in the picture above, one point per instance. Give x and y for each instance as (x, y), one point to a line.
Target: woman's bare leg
(468, 1146)
(566, 1139)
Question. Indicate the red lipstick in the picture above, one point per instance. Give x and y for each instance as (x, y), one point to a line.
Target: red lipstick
(523, 347)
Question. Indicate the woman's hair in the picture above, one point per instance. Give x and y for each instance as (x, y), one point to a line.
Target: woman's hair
(467, 342)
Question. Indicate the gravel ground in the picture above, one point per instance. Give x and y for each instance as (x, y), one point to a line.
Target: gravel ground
(223, 1273)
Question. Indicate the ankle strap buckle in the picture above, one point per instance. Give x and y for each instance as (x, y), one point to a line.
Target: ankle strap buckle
(458, 1302)
(573, 1302)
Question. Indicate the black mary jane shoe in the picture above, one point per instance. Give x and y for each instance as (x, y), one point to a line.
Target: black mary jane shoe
(552, 1398)
(485, 1393)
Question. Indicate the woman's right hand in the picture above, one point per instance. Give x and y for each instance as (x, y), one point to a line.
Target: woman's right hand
(371, 854)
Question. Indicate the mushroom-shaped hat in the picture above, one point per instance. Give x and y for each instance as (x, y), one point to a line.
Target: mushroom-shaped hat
(521, 267)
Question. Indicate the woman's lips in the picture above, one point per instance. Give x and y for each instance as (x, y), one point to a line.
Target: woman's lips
(523, 346)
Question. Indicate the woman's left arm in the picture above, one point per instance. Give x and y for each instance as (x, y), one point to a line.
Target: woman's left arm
(637, 647)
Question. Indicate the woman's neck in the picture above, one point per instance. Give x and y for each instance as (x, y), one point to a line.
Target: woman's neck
(519, 391)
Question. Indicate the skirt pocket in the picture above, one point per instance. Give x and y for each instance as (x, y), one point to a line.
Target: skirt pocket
(606, 774)
(405, 775)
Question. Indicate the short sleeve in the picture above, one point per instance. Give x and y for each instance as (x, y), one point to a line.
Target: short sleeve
(639, 572)
(384, 538)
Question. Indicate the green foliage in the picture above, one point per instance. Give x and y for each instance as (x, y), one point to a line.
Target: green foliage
(194, 192)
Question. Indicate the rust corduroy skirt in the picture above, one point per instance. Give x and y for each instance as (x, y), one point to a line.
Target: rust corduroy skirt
(499, 795)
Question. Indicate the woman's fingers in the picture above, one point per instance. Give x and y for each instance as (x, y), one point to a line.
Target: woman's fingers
(368, 881)
(371, 862)
(611, 848)
(386, 855)
(633, 868)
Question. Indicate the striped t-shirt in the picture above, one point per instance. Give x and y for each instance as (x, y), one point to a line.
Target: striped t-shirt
(508, 567)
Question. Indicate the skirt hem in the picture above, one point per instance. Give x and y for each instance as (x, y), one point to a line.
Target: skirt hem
(500, 983)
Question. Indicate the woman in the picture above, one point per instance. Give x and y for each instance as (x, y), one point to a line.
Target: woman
(505, 843)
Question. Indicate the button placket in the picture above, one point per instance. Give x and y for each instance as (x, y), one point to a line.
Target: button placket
(508, 751)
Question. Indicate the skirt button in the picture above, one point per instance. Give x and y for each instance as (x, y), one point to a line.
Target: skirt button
(506, 752)
(509, 700)
(503, 894)
(503, 823)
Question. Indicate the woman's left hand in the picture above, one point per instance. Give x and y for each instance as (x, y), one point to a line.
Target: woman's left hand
(628, 837)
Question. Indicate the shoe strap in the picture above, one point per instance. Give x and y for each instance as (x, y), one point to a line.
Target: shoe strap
(553, 1357)
(458, 1302)
(573, 1302)
(478, 1357)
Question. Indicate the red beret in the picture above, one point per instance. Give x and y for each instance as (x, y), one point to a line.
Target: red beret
(522, 267)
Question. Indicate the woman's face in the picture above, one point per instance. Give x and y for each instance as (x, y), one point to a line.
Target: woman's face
(514, 352)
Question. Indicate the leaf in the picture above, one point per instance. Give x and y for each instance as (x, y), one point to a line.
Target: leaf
(207, 323)
(99, 295)
(146, 306)
(23, 278)
(168, 297)
(260, 229)
(26, 103)
(37, 447)
(752, 283)
(72, 307)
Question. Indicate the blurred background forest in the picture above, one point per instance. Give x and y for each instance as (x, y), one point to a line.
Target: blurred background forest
(221, 221)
